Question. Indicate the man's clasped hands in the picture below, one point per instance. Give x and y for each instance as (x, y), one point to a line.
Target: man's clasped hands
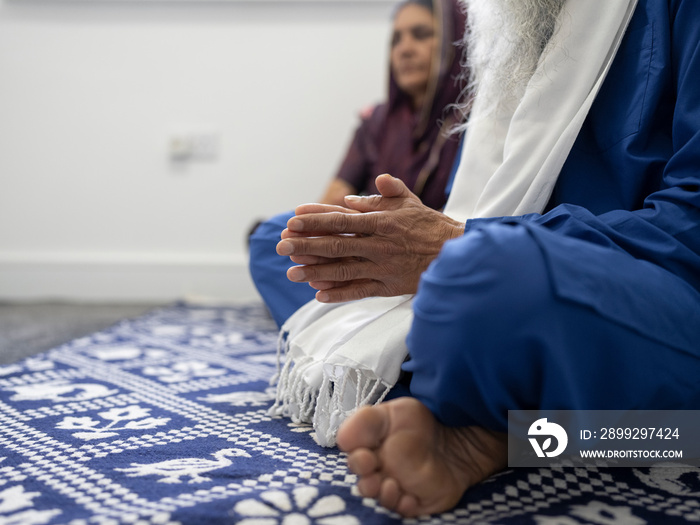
(376, 245)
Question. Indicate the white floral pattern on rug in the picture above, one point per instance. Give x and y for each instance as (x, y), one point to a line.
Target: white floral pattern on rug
(241, 399)
(674, 478)
(13, 508)
(132, 417)
(182, 371)
(304, 508)
(60, 392)
(595, 512)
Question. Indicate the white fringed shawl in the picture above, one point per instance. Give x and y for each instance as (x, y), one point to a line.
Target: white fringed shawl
(340, 357)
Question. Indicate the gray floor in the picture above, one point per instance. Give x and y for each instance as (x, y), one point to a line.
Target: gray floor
(30, 328)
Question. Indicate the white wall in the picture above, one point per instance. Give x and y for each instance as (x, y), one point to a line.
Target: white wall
(91, 205)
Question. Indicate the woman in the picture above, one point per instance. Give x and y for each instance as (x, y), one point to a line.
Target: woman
(404, 137)
(407, 135)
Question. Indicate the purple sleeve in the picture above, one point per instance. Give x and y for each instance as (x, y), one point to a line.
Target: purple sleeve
(356, 168)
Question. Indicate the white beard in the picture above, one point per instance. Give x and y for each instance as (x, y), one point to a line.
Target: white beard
(504, 42)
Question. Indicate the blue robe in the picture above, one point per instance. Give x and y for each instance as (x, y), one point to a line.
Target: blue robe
(594, 304)
(632, 180)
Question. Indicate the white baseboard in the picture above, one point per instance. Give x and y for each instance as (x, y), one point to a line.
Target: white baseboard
(124, 278)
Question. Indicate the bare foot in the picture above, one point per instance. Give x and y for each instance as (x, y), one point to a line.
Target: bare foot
(412, 463)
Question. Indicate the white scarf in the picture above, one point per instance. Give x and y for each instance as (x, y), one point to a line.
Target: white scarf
(342, 356)
(509, 165)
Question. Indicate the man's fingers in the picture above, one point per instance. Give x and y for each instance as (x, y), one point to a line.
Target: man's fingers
(332, 223)
(328, 219)
(339, 272)
(324, 285)
(364, 204)
(303, 209)
(288, 234)
(338, 247)
(351, 291)
(392, 187)
(310, 259)
(391, 191)
(323, 249)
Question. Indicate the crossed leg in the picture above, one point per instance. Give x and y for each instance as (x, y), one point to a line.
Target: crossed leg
(491, 335)
(411, 462)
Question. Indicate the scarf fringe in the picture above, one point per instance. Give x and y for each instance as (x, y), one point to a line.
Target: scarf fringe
(327, 406)
(340, 396)
(295, 398)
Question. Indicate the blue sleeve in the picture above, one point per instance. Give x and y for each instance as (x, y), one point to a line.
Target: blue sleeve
(665, 230)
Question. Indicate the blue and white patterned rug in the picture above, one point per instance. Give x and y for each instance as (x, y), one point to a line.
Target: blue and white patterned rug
(163, 420)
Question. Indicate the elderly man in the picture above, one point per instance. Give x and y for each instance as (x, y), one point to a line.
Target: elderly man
(565, 271)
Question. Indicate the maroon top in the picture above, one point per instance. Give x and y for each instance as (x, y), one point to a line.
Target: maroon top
(412, 145)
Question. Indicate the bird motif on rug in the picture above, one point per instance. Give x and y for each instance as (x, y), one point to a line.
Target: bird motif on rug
(173, 469)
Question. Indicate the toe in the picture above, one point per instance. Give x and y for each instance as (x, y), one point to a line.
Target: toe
(389, 493)
(369, 486)
(366, 428)
(408, 506)
(363, 461)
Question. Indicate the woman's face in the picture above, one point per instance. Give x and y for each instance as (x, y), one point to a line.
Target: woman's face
(412, 46)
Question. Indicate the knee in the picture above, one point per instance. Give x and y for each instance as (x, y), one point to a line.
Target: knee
(473, 328)
(270, 230)
(262, 243)
(497, 246)
(269, 271)
(494, 272)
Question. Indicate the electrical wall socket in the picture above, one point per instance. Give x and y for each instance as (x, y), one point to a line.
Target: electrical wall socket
(194, 146)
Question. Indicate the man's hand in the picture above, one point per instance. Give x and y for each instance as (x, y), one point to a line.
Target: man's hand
(377, 246)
